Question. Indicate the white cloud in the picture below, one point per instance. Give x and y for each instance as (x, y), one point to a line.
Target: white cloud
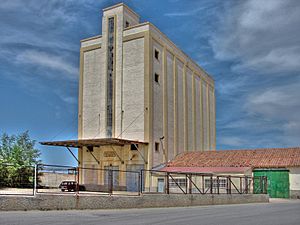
(232, 86)
(280, 104)
(183, 13)
(232, 141)
(48, 61)
(196, 10)
(261, 36)
(71, 100)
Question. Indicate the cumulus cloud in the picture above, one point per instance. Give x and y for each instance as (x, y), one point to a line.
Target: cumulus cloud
(262, 36)
(185, 13)
(39, 45)
(281, 104)
(49, 61)
(232, 141)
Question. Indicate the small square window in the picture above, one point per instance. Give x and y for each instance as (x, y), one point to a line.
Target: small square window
(134, 147)
(156, 54)
(156, 146)
(156, 77)
(127, 24)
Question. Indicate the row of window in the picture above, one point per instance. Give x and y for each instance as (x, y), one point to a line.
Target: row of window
(182, 182)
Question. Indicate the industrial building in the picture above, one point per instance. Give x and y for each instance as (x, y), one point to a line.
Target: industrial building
(281, 166)
(142, 100)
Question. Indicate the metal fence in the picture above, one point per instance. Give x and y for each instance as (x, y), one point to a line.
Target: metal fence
(17, 180)
(82, 180)
(200, 183)
(50, 177)
(57, 179)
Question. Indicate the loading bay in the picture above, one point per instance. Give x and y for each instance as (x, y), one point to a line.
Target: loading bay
(277, 212)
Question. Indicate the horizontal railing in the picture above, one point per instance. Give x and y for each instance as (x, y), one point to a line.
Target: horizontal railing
(54, 179)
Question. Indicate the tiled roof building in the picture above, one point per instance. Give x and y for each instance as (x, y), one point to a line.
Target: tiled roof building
(281, 166)
(255, 158)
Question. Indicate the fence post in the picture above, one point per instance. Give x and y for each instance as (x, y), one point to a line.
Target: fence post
(253, 186)
(241, 185)
(227, 185)
(35, 180)
(190, 184)
(78, 171)
(218, 185)
(141, 181)
(266, 185)
(202, 178)
(111, 183)
(168, 185)
(186, 184)
(211, 184)
(229, 177)
(246, 184)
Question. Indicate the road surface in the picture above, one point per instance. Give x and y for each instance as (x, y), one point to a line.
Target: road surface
(278, 212)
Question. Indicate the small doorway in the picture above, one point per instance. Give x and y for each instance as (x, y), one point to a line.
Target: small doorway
(133, 178)
(160, 185)
(114, 170)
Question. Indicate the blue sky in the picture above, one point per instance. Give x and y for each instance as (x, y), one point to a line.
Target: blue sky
(250, 47)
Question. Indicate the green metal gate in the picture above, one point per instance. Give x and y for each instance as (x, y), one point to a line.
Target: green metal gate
(278, 182)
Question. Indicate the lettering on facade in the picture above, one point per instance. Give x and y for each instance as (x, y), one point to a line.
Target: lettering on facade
(109, 154)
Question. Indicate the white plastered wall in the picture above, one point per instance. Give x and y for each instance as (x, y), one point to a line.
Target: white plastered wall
(190, 127)
(158, 90)
(93, 95)
(170, 91)
(294, 178)
(133, 90)
(198, 114)
(180, 107)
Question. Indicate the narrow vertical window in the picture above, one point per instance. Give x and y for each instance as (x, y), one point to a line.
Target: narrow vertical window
(156, 54)
(156, 77)
(156, 147)
(110, 77)
(127, 24)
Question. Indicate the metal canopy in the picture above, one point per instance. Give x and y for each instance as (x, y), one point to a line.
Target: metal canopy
(92, 142)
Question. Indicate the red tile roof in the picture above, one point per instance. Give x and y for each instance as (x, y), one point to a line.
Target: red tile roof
(206, 169)
(255, 158)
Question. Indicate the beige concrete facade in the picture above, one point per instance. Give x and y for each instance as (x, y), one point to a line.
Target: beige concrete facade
(160, 95)
(294, 179)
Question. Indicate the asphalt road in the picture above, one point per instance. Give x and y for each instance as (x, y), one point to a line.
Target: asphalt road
(279, 212)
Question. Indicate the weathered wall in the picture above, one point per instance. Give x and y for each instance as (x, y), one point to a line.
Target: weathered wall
(64, 202)
(171, 105)
(158, 101)
(93, 113)
(294, 177)
(53, 180)
(133, 90)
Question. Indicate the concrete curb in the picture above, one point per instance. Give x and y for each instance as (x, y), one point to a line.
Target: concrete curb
(66, 202)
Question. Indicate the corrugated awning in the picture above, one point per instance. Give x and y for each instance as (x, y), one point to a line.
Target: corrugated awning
(93, 142)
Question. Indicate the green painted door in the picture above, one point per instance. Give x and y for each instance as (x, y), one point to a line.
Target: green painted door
(278, 182)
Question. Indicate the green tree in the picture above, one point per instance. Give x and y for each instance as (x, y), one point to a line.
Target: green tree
(17, 156)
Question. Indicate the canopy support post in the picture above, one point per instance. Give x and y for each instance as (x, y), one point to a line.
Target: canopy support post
(90, 149)
(73, 155)
(137, 148)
